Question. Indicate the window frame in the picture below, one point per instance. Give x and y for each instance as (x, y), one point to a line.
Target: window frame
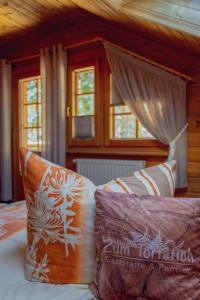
(112, 124)
(109, 142)
(71, 141)
(20, 70)
(22, 105)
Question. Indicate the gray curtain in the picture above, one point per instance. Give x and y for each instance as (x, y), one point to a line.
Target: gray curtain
(53, 64)
(157, 98)
(5, 132)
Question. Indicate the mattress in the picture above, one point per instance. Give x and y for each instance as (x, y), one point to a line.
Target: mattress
(13, 285)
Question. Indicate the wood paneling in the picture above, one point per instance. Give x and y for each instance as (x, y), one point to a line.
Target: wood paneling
(21, 15)
(19, 71)
(161, 53)
(175, 22)
(181, 15)
(171, 22)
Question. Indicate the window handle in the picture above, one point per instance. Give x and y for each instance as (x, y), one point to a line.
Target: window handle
(68, 111)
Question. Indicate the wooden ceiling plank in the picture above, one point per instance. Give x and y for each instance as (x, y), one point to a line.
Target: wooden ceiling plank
(69, 3)
(24, 10)
(62, 4)
(173, 13)
(10, 23)
(24, 14)
(15, 16)
(51, 4)
(37, 7)
(3, 29)
(193, 4)
(41, 7)
(179, 12)
(143, 25)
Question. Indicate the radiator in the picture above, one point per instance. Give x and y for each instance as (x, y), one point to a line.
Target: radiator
(100, 171)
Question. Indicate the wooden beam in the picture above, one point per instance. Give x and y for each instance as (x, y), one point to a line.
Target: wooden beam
(94, 40)
(99, 39)
(16, 60)
(167, 69)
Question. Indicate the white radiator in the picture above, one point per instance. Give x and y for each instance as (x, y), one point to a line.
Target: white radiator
(100, 171)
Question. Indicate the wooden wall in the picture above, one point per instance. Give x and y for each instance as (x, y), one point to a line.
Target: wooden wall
(194, 137)
(162, 53)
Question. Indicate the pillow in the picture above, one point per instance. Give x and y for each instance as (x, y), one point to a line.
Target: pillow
(147, 247)
(60, 222)
(157, 180)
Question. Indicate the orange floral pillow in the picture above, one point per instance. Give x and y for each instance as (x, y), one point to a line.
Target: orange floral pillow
(60, 222)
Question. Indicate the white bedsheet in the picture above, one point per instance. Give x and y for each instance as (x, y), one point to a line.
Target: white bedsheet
(13, 285)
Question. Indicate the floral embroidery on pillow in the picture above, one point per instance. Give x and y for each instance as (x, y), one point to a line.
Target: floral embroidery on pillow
(55, 210)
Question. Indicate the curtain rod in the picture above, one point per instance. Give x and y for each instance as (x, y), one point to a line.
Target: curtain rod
(99, 39)
(93, 40)
(160, 66)
(24, 58)
(167, 69)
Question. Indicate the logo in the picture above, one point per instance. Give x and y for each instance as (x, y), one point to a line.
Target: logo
(144, 247)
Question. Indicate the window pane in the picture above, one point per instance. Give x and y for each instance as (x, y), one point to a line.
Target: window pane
(85, 105)
(83, 127)
(124, 127)
(121, 109)
(85, 80)
(31, 91)
(39, 90)
(40, 139)
(143, 133)
(32, 138)
(39, 115)
(32, 115)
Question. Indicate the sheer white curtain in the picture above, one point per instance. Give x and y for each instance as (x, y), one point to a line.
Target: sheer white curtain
(53, 64)
(157, 98)
(5, 132)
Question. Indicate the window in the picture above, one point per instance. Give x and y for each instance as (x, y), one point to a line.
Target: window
(94, 124)
(83, 108)
(31, 113)
(123, 124)
(83, 105)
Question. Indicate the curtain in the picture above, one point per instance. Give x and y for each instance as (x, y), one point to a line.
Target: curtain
(5, 132)
(116, 99)
(158, 99)
(53, 65)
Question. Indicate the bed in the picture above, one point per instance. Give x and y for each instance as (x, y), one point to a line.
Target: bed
(13, 285)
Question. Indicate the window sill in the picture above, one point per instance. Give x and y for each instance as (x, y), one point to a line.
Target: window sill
(144, 143)
(119, 151)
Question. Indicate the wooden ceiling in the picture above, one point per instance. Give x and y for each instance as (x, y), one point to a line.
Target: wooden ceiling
(174, 22)
(171, 22)
(20, 16)
(183, 15)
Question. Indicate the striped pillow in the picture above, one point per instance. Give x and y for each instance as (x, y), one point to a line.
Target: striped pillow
(157, 180)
